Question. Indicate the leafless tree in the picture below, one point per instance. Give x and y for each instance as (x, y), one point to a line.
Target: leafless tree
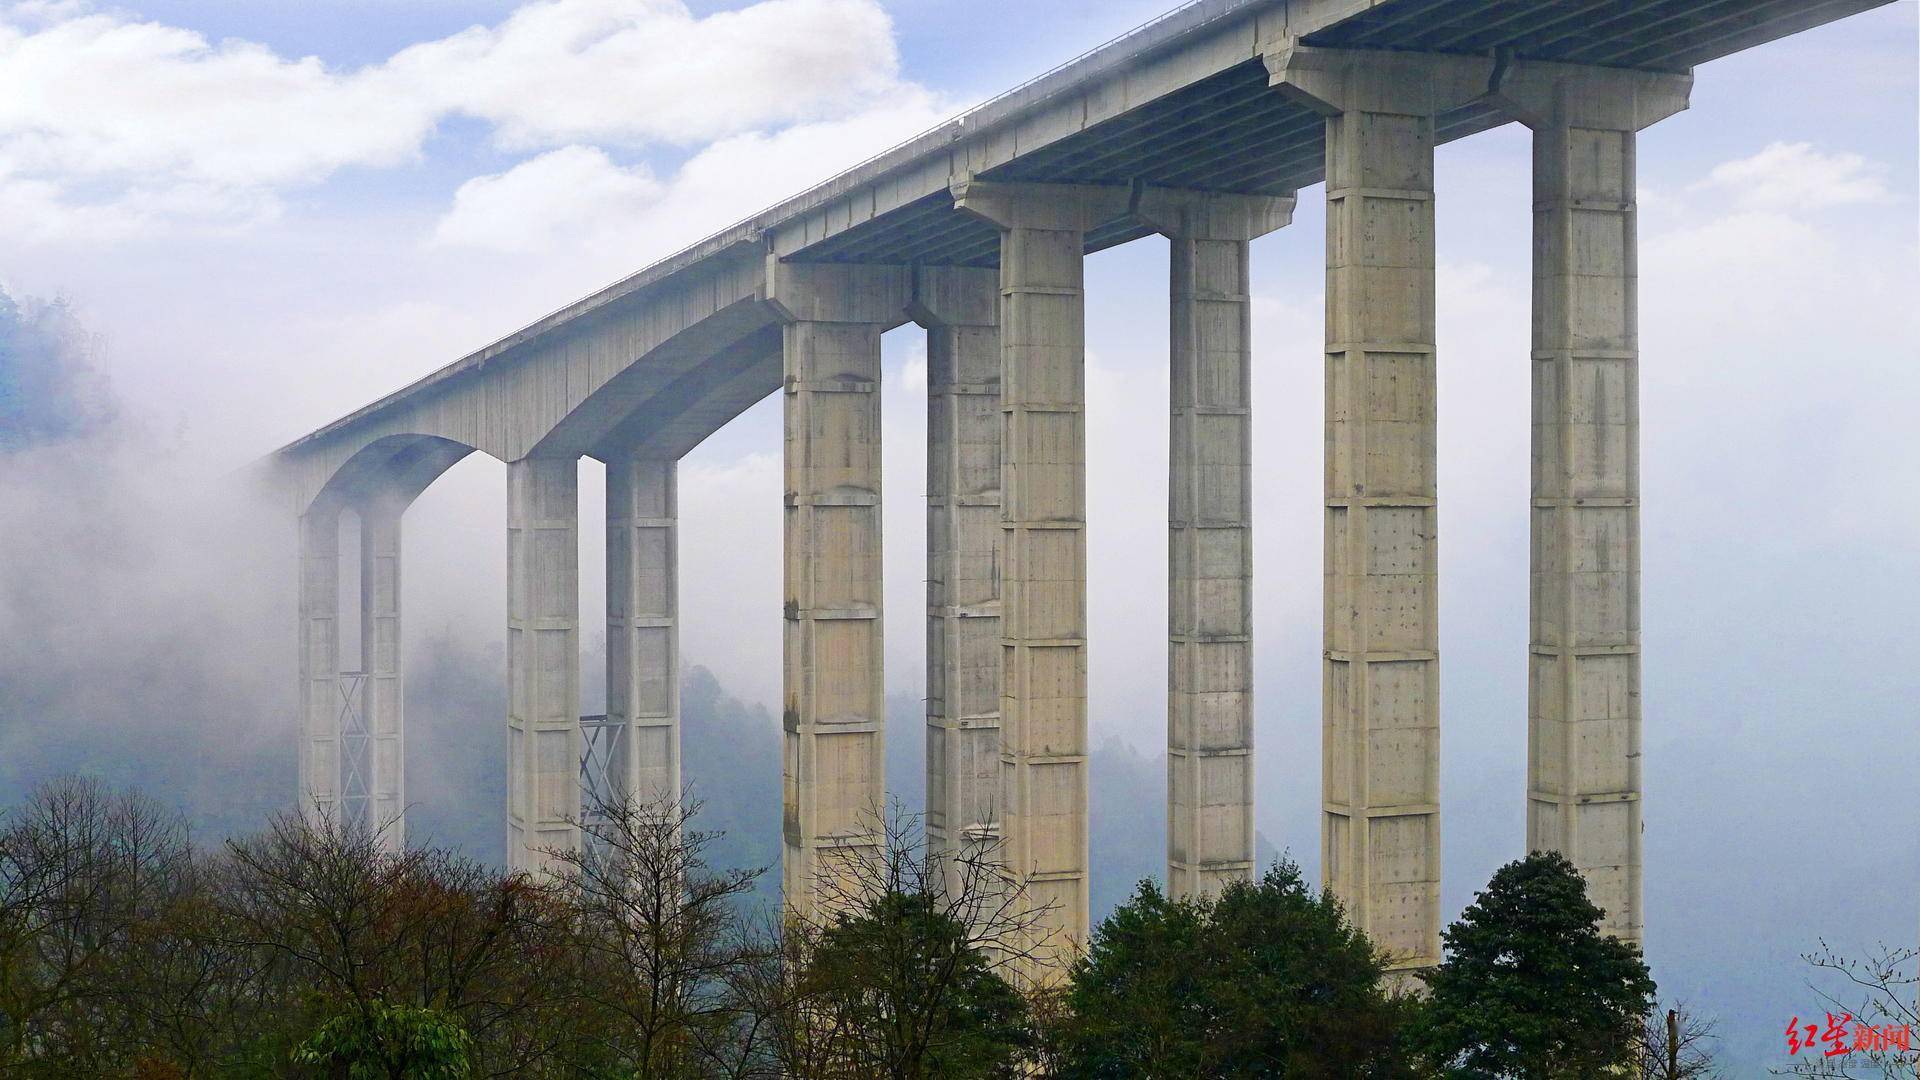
(1876, 991)
(1677, 1044)
(661, 938)
(908, 962)
(333, 924)
(84, 877)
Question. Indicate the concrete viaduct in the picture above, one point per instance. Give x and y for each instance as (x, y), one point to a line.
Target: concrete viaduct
(1199, 127)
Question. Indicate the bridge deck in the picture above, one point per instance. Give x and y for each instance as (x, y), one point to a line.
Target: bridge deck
(1181, 102)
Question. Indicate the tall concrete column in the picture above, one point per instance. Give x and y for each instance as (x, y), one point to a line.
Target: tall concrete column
(1043, 625)
(543, 659)
(1210, 532)
(960, 309)
(319, 540)
(382, 693)
(1380, 835)
(835, 700)
(1583, 686)
(643, 646)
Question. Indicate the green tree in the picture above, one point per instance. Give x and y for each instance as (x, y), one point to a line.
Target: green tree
(1268, 979)
(383, 1040)
(904, 979)
(902, 968)
(1530, 986)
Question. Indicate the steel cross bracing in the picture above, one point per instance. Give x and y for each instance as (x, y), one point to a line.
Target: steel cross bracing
(356, 754)
(602, 746)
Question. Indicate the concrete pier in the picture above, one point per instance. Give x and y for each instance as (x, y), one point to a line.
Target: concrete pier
(643, 645)
(1210, 531)
(1583, 684)
(835, 697)
(382, 692)
(1380, 839)
(319, 538)
(1043, 475)
(543, 659)
(960, 309)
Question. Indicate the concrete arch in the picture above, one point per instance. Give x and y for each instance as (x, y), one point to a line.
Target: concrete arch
(666, 387)
(559, 386)
(394, 469)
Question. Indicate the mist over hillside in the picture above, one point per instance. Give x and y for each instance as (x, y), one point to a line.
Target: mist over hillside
(147, 640)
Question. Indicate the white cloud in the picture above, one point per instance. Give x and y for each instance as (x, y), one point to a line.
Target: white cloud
(643, 70)
(43, 211)
(1793, 176)
(99, 95)
(546, 200)
(117, 124)
(613, 217)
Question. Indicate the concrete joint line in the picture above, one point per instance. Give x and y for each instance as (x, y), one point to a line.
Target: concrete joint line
(1381, 346)
(839, 614)
(833, 498)
(1393, 194)
(832, 386)
(1592, 205)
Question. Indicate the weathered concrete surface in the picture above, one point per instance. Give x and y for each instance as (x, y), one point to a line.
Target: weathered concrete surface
(319, 538)
(643, 643)
(960, 308)
(1043, 587)
(382, 693)
(543, 660)
(1210, 531)
(1069, 164)
(1380, 839)
(1583, 684)
(835, 695)
(351, 744)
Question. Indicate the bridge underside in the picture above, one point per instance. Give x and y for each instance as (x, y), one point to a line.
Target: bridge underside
(1231, 133)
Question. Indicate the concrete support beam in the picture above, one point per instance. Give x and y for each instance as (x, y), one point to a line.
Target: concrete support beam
(1043, 693)
(643, 646)
(382, 693)
(1380, 836)
(319, 540)
(835, 707)
(1210, 532)
(543, 659)
(960, 309)
(1583, 686)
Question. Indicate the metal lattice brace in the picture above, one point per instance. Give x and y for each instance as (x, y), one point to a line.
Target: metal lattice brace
(602, 745)
(356, 753)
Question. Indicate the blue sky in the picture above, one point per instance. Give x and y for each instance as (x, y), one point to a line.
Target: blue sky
(256, 271)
